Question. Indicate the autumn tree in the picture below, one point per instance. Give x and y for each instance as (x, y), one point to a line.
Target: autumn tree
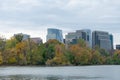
(2, 44)
(34, 55)
(1, 60)
(9, 56)
(10, 43)
(116, 57)
(81, 53)
(12, 56)
(59, 58)
(96, 58)
(22, 50)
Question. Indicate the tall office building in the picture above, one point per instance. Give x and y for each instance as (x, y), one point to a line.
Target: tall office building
(54, 34)
(101, 39)
(111, 39)
(71, 38)
(88, 37)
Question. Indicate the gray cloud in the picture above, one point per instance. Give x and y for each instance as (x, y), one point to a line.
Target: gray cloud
(61, 11)
(69, 15)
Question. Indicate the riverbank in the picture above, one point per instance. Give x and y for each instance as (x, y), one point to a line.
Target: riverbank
(56, 65)
(54, 53)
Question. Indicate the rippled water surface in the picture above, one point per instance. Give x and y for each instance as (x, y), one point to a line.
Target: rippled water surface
(61, 73)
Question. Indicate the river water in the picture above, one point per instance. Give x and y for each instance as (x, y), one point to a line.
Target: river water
(111, 72)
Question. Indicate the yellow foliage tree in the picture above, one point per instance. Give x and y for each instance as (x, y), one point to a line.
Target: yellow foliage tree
(22, 49)
(59, 58)
(82, 54)
(1, 60)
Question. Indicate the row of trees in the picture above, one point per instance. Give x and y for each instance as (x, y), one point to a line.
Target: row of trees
(15, 51)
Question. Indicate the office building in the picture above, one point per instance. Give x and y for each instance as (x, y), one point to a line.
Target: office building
(118, 47)
(37, 40)
(101, 39)
(85, 34)
(54, 34)
(111, 39)
(71, 38)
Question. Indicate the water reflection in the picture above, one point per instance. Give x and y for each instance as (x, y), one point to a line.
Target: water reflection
(31, 77)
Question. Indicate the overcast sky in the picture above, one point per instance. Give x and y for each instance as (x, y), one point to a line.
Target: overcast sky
(35, 16)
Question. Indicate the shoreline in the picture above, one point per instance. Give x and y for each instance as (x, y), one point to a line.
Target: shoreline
(55, 66)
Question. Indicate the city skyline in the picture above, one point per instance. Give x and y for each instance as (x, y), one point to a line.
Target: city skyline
(33, 17)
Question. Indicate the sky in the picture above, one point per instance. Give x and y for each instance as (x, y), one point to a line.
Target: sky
(33, 17)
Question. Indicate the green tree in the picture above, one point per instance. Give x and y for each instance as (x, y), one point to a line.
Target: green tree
(70, 57)
(109, 60)
(82, 43)
(19, 37)
(116, 57)
(48, 49)
(104, 52)
(10, 43)
(59, 58)
(35, 56)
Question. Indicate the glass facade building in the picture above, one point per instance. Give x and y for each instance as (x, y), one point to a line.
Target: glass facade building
(87, 37)
(84, 34)
(101, 39)
(118, 47)
(111, 39)
(54, 34)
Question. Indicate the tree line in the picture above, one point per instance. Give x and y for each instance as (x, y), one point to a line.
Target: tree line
(16, 51)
